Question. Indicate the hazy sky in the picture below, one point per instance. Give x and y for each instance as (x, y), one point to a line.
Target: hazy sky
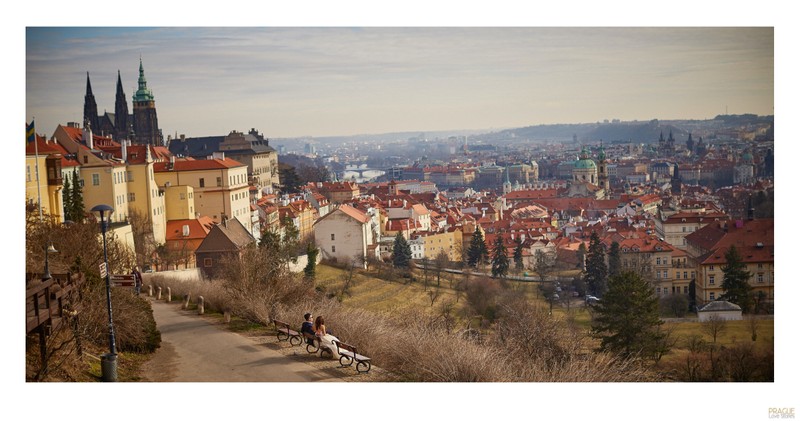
(317, 81)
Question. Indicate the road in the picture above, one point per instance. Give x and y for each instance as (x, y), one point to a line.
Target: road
(195, 350)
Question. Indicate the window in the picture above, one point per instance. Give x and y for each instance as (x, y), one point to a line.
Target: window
(130, 176)
(711, 268)
(333, 237)
(183, 196)
(658, 291)
(658, 260)
(711, 296)
(760, 278)
(207, 262)
(333, 249)
(202, 182)
(686, 289)
(666, 275)
(761, 266)
(685, 275)
(131, 197)
(711, 280)
(95, 179)
(28, 173)
(219, 181)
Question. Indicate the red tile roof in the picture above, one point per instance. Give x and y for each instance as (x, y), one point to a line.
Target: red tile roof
(197, 165)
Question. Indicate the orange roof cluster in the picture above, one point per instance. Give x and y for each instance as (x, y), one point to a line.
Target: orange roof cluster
(197, 165)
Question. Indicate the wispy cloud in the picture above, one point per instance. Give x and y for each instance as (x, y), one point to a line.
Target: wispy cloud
(296, 81)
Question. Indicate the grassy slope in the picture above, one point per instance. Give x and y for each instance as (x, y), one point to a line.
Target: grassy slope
(379, 295)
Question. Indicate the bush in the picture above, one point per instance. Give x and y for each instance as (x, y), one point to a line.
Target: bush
(675, 305)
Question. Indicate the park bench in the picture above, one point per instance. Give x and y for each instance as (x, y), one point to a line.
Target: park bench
(285, 333)
(349, 353)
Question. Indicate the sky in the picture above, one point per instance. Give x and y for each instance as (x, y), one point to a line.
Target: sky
(319, 81)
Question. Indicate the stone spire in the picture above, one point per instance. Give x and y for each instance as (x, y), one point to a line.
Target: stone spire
(90, 105)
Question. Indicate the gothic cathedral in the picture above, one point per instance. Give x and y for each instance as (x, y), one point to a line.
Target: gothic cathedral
(141, 127)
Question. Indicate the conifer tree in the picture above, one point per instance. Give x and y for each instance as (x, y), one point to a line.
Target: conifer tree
(77, 198)
(614, 260)
(66, 194)
(477, 252)
(518, 264)
(596, 270)
(499, 258)
(735, 285)
(627, 319)
(401, 252)
(312, 251)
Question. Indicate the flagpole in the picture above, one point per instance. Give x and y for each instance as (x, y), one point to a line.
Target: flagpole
(36, 151)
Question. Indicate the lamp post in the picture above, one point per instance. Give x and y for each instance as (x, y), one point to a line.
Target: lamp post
(108, 361)
(50, 249)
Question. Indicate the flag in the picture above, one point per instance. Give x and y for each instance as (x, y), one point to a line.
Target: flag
(30, 133)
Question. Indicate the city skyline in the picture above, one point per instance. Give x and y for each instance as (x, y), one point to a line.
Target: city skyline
(332, 81)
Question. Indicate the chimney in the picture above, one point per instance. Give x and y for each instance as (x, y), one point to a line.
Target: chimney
(87, 135)
(124, 150)
(751, 211)
(185, 231)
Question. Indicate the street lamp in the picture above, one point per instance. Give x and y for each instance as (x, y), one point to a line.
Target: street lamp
(50, 249)
(108, 362)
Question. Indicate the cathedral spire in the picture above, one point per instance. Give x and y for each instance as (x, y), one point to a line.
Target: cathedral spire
(143, 94)
(121, 122)
(90, 105)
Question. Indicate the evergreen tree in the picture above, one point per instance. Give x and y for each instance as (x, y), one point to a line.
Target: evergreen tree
(518, 264)
(312, 251)
(77, 213)
(614, 260)
(627, 319)
(401, 252)
(735, 285)
(596, 270)
(582, 256)
(66, 194)
(477, 252)
(499, 258)
(692, 292)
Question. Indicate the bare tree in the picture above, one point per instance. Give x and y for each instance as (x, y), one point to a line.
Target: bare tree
(753, 323)
(440, 263)
(714, 326)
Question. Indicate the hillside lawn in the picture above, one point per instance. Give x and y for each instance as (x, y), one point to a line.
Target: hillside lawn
(369, 292)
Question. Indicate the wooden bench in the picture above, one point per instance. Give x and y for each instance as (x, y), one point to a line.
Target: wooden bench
(285, 333)
(349, 353)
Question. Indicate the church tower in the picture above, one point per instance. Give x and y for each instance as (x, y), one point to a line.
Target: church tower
(507, 183)
(676, 181)
(145, 121)
(602, 174)
(121, 124)
(90, 105)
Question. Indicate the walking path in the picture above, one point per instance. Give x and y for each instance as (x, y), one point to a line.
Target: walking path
(195, 350)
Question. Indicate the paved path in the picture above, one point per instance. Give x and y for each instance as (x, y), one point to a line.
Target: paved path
(194, 350)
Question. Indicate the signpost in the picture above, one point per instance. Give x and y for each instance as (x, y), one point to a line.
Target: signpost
(103, 270)
(127, 281)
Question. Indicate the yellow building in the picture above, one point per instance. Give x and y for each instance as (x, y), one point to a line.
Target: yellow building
(220, 186)
(43, 178)
(180, 202)
(448, 241)
(755, 243)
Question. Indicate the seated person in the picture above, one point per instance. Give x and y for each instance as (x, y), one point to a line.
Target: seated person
(308, 327)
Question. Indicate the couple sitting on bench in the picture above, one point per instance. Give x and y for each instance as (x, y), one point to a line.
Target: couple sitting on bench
(317, 329)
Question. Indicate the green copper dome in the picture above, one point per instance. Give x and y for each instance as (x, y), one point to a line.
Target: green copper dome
(585, 164)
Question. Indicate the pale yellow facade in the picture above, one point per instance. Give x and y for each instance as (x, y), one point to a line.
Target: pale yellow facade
(448, 242)
(144, 197)
(218, 192)
(106, 184)
(179, 202)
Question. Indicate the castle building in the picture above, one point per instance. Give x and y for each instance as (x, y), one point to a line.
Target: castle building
(141, 127)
